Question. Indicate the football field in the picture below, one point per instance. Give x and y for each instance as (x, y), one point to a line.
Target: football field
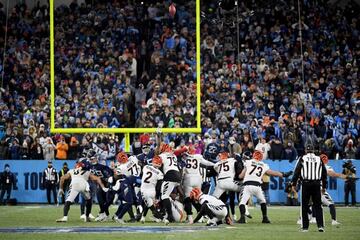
(38, 222)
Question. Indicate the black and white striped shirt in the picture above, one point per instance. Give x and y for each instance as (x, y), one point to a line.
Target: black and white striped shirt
(310, 168)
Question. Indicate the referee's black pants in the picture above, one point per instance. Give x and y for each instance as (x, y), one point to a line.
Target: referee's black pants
(311, 189)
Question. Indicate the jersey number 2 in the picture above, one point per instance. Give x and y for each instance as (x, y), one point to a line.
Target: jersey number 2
(149, 175)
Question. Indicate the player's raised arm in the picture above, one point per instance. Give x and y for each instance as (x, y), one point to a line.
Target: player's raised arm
(96, 179)
(158, 141)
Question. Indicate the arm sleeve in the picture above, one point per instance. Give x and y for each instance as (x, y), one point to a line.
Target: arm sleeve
(200, 214)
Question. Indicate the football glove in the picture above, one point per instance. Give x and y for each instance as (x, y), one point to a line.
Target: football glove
(287, 174)
(105, 189)
(110, 180)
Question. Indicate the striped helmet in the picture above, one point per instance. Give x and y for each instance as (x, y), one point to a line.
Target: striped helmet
(195, 193)
(165, 148)
(257, 155)
(223, 156)
(122, 157)
(157, 161)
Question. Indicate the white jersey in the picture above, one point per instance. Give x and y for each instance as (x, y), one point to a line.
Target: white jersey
(79, 175)
(255, 170)
(226, 168)
(150, 177)
(211, 200)
(131, 168)
(169, 162)
(193, 162)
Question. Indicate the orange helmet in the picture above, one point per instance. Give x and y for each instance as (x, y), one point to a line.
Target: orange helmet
(122, 157)
(157, 161)
(324, 158)
(79, 165)
(190, 150)
(165, 148)
(223, 156)
(195, 193)
(257, 155)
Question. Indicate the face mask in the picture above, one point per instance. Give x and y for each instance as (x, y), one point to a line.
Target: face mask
(7, 169)
(49, 166)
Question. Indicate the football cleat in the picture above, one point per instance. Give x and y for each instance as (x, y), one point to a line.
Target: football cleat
(82, 216)
(142, 219)
(101, 217)
(166, 221)
(304, 230)
(211, 223)
(266, 220)
(321, 229)
(241, 220)
(335, 223)
(119, 220)
(87, 219)
(63, 219)
(91, 216)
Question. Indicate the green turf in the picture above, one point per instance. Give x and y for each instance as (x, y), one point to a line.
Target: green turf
(283, 226)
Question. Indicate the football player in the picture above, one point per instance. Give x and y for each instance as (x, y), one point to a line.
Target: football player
(125, 188)
(211, 206)
(192, 177)
(150, 178)
(105, 174)
(79, 184)
(252, 179)
(172, 176)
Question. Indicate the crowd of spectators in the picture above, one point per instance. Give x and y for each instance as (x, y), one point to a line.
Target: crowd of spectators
(125, 65)
(258, 89)
(104, 79)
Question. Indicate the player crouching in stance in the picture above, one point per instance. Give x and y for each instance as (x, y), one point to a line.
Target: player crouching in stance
(79, 184)
(252, 174)
(211, 206)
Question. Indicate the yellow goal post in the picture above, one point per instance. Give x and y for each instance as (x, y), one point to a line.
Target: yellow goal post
(126, 131)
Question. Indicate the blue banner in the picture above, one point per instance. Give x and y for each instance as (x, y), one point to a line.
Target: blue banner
(29, 176)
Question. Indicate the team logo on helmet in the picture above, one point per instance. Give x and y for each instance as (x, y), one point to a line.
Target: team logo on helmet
(122, 157)
(195, 193)
(257, 155)
(157, 161)
(165, 148)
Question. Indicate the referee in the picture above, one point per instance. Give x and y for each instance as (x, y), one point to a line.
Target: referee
(313, 176)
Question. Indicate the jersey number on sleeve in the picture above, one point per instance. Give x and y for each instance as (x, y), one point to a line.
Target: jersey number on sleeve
(259, 172)
(149, 175)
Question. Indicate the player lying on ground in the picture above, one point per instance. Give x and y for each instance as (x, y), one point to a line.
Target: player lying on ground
(79, 184)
